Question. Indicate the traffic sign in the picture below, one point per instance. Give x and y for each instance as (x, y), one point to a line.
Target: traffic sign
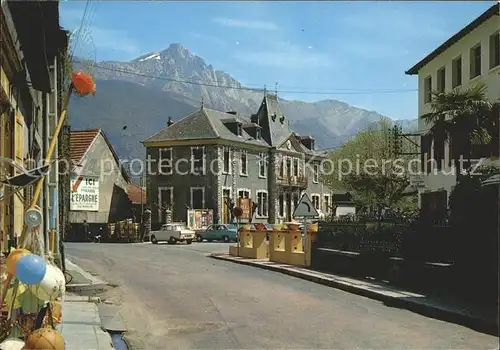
(305, 208)
(417, 181)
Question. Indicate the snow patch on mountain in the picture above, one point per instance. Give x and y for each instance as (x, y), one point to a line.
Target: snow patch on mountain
(155, 56)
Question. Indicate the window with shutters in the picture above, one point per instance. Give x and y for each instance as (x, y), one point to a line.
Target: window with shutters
(441, 80)
(244, 193)
(295, 167)
(428, 89)
(263, 165)
(456, 72)
(495, 50)
(198, 160)
(262, 203)
(243, 163)
(165, 163)
(197, 197)
(315, 200)
(475, 61)
(226, 162)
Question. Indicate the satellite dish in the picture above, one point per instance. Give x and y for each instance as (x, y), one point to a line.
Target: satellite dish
(33, 217)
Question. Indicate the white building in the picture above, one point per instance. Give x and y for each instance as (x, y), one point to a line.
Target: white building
(470, 56)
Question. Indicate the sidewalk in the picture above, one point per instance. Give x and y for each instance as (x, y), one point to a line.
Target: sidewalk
(81, 324)
(481, 319)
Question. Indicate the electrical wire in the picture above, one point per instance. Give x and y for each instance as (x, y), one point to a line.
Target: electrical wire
(190, 82)
(80, 28)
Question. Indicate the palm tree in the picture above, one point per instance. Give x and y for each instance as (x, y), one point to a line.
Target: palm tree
(467, 117)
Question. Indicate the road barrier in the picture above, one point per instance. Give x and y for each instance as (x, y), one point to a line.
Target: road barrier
(286, 245)
(251, 244)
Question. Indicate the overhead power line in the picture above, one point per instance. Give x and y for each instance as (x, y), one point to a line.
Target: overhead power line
(305, 92)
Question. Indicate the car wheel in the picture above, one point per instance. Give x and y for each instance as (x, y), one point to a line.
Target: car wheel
(172, 240)
(189, 241)
(226, 239)
(199, 238)
(154, 240)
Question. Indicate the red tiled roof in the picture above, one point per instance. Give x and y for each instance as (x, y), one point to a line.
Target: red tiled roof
(80, 142)
(135, 193)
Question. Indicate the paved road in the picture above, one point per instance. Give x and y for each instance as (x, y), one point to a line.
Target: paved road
(175, 297)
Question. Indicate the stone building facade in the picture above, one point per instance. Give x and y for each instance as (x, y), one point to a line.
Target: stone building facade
(210, 158)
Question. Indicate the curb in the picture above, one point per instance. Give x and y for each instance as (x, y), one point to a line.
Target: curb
(97, 287)
(475, 323)
(95, 284)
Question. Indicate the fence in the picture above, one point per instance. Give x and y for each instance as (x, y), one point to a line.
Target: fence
(419, 256)
(404, 240)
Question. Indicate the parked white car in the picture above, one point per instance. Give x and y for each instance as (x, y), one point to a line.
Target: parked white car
(173, 233)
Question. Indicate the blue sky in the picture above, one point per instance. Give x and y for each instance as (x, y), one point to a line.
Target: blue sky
(339, 47)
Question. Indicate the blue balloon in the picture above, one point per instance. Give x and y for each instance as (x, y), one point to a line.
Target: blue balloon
(30, 269)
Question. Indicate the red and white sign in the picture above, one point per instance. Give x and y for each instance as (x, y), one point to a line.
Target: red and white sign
(84, 194)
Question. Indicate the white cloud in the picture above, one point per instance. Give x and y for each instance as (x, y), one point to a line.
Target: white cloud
(246, 24)
(285, 55)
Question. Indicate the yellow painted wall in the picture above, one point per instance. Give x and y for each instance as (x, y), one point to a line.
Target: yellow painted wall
(4, 152)
(3, 228)
(18, 199)
(11, 146)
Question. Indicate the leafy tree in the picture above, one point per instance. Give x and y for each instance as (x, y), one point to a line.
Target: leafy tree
(466, 116)
(367, 167)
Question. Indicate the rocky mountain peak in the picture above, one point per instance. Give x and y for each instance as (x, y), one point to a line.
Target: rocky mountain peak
(174, 81)
(176, 50)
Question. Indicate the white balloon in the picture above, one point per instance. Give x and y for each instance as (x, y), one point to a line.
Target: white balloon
(52, 286)
(63, 279)
(12, 344)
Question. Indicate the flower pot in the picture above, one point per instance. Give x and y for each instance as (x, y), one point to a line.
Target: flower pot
(260, 227)
(277, 227)
(245, 227)
(293, 226)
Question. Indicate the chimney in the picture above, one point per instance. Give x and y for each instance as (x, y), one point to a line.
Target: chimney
(307, 141)
(169, 122)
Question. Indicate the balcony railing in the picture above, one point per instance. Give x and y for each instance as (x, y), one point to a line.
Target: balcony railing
(292, 181)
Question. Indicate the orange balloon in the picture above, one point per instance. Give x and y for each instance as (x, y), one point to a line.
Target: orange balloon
(46, 339)
(83, 84)
(13, 258)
